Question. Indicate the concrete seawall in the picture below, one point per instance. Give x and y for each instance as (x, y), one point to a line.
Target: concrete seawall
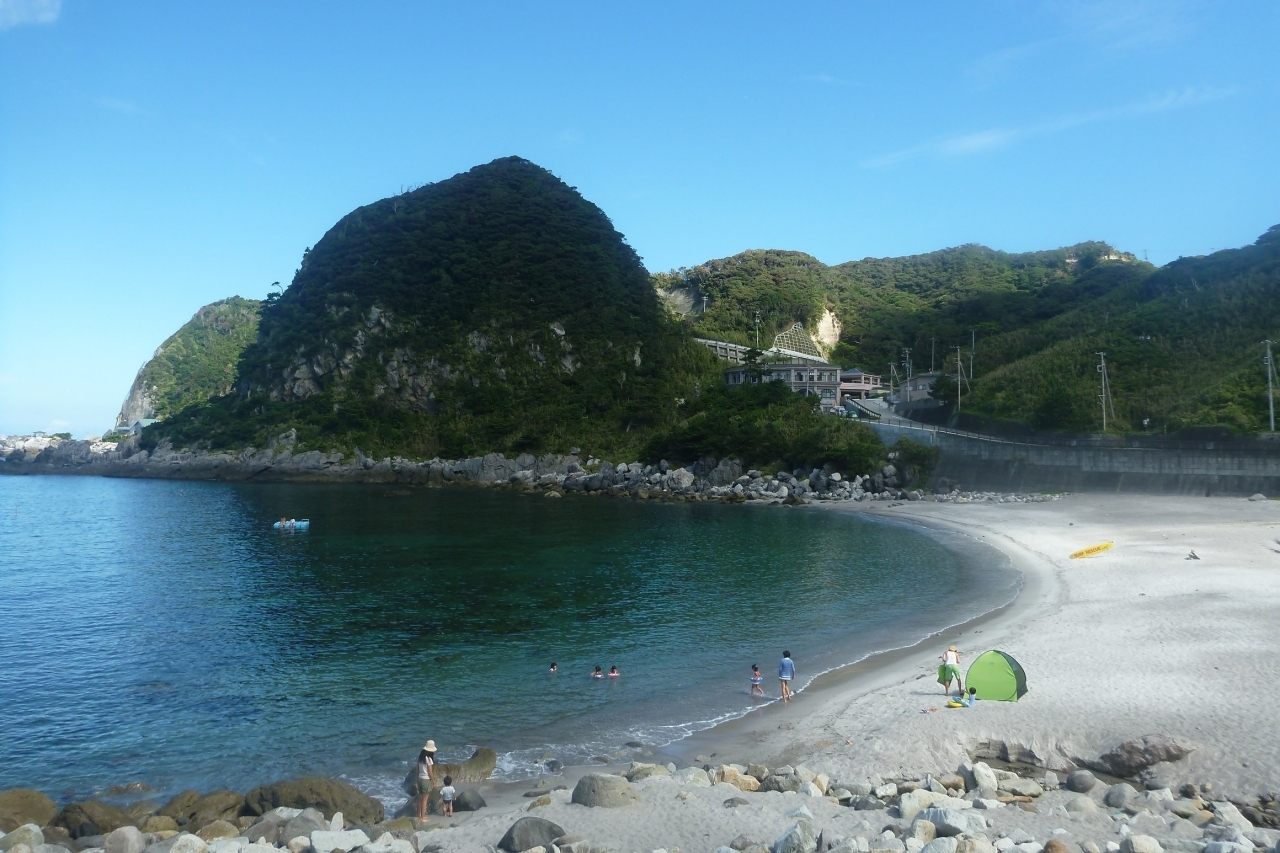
(999, 464)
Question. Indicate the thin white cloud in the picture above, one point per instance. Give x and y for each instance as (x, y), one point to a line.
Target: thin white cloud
(14, 13)
(963, 145)
(119, 105)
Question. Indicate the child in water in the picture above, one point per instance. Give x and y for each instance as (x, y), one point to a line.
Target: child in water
(756, 680)
(554, 668)
(447, 793)
(613, 672)
(599, 673)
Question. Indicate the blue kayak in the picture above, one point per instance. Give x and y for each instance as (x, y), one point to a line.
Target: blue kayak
(292, 524)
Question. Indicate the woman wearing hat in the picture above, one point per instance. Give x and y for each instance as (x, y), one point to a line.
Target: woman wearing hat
(426, 777)
(950, 670)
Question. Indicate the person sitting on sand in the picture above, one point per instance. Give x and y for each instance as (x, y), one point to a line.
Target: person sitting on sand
(756, 680)
(426, 777)
(950, 670)
(613, 672)
(447, 794)
(971, 697)
(786, 672)
(554, 668)
(599, 673)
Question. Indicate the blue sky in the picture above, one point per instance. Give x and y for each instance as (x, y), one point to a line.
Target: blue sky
(157, 156)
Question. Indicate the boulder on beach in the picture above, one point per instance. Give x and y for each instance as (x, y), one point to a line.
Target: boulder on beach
(329, 841)
(304, 823)
(1081, 781)
(28, 834)
(20, 806)
(597, 790)
(530, 832)
(328, 796)
(798, 838)
(92, 818)
(126, 839)
(218, 829)
(193, 810)
(469, 801)
(1134, 756)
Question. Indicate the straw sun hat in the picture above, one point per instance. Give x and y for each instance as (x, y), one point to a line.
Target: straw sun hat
(431, 746)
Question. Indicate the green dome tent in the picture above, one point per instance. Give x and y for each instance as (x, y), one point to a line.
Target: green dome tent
(996, 675)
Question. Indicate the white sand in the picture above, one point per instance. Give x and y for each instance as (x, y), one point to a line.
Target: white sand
(1137, 641)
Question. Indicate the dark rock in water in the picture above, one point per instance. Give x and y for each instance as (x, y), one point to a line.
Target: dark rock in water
(326, 795)
(553, 765)
(306, 823)
(530, 832)
(597, 790)
(734, 802)
(633, 744)
(469, 801)
(477, 768)
(180, 807)
(100, 817)
(1131, 757)
(19, 806)
(1081, 781)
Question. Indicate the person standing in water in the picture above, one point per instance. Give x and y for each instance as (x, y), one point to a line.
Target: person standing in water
(786, 672)
(426, 779)
(950, 670)
(756, 680)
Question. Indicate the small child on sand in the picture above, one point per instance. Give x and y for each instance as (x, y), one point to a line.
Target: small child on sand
(447, 793)
(756, 680)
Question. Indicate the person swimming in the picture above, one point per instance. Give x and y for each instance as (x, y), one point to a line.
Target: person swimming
(554, 668)
(599, 673)
(613, 672)
(756, 680)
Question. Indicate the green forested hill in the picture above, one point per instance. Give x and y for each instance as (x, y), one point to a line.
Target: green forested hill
(1182, 341)
(496, 310)
(194, 363)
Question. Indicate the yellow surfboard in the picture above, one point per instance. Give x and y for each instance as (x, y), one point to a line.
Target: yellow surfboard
(1092, 550)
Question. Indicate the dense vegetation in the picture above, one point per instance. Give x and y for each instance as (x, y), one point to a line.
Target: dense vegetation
(494, 311)
(768, 426)
(199, 360)
(1182, 342)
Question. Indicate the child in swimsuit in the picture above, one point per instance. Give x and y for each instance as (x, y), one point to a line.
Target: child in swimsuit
(756, 680)
(613, 672)
(598, 673)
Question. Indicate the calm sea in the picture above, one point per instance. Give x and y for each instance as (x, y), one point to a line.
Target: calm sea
(161, 631)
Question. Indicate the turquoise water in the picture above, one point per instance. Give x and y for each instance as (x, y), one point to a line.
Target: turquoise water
(161, 631)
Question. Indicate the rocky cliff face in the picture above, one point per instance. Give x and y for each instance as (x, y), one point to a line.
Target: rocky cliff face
(195, 363)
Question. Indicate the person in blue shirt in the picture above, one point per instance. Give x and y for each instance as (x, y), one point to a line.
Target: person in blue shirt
(786, 672)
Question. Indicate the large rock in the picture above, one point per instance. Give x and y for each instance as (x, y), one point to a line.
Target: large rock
(218, 829)
(184, 843)
(1081, 781)
(693, 777)
(1118, 796)
(741, 781)
(598, 790)
(328, 841)
(219, 805)
(1020, 787)
(798, 838)
(1140, 844)
(180, 807)
(28, 834)
(949, 822)
(303, 824)
(92, 818)
(1080, 804)
(640, 770)
(19, 806)
(329, 796)
(267, 831)
(126, 839)
(941, 845)
(1134, 756)
(530, 832)
(158, 823)
(786, 783)
(984, 776)
(470, 801)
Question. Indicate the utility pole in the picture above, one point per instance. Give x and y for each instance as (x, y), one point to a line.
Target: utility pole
(959, 374)
(704, 304)
(973, 344)
(1271, 400)
(1105, 396)
(757, 330)
(933, 344)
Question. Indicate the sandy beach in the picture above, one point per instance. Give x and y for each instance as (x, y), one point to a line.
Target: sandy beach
(1139, 640)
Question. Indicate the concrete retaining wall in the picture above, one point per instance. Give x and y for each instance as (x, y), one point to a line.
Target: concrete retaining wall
(995, 464)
